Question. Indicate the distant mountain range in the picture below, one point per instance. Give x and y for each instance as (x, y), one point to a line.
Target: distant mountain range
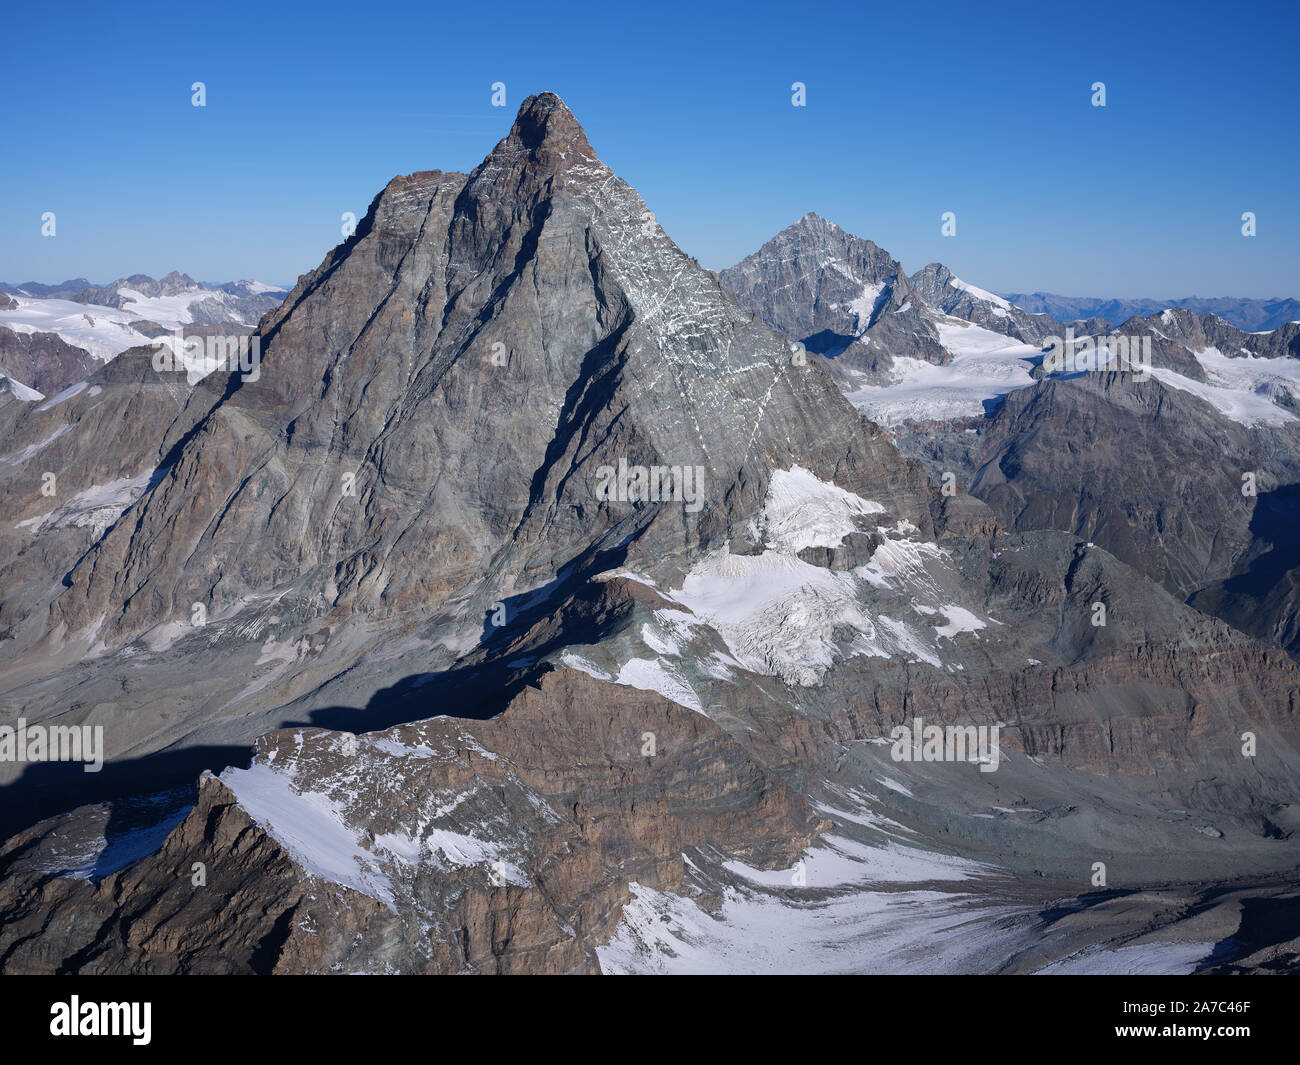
(80, 290)
(1253, 315)
(50, 338)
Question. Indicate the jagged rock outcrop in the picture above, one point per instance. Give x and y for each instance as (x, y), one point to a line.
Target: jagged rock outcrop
(44, 361)
(846, 298)
(1149, 472)
(575, 809)
(816, 283)
(943, 291)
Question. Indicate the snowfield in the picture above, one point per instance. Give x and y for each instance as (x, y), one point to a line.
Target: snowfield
(106, 332)
(985, 367)
(1242, 388)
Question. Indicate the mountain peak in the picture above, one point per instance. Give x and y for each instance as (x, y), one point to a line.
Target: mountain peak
(814, 223)
(545, 122)
(934, 270)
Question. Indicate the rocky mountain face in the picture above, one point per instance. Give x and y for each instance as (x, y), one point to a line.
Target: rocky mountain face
(1207, 332)
(817, 283)
(43, 361)
(577, 812)
(68, 473)
(844, 297)
(1215, 424)
(1261, 596)
(944, 292)
(568, 614)
(1148, 471)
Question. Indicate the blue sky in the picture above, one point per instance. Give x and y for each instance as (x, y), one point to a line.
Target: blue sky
(913, 109)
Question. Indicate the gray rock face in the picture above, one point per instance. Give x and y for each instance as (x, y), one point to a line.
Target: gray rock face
(1149, 472)
(68, 472)
(44, 361)
(846, 298)
(1261, 596)
(944, 292)
(838, 294)
(816, 283)
(1184, 485)
(1178, 335)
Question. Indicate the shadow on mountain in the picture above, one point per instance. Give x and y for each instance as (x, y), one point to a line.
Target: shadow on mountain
(472, 693)
(1263, 600)
(570, 610)
(138, 825)
(49, 788)
(828, 343)
(1265, 922)
(1070, 907)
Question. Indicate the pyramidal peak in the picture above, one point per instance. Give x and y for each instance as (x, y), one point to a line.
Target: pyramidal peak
(812, 220)
(546, 141)
(545, 120)
(468, 360)
(547, 133)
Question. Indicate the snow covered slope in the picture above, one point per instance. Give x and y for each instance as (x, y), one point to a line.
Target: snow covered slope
(106, 321)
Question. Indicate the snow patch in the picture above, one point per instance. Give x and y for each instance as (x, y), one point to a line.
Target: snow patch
(97, 508)
(67, 393)
(1242, 389)
(1002, 307)
(23, 392)
(654, 674)
(801, 510)
(985, 366)
(311, 827)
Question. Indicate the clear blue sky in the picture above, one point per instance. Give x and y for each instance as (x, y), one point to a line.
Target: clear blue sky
(914, 108)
